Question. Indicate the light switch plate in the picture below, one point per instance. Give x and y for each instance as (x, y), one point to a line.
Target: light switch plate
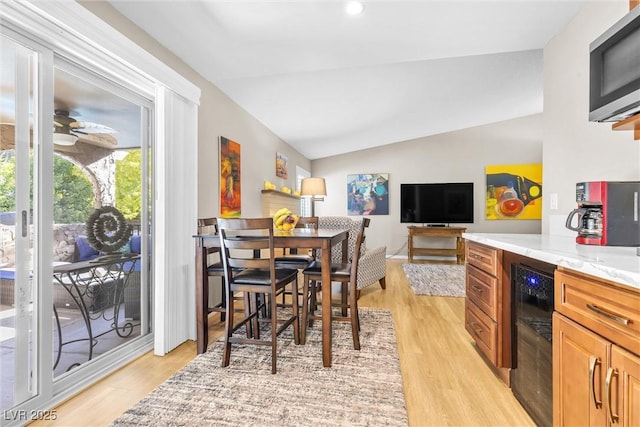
(553, 201)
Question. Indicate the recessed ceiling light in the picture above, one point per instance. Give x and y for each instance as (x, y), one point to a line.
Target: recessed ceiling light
(354, 7)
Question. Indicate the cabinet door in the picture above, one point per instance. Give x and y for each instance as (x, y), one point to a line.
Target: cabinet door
(623, 388)
(580, 361)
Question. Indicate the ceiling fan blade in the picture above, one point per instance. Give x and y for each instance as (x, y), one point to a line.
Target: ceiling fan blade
(103, 140)
(89, 127)
(7, 136)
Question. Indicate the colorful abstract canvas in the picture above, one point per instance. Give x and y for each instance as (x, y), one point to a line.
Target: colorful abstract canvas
(368, 194)
(230, 188)
(514, 191)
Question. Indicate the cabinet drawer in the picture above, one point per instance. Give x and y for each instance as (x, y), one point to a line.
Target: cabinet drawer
(608, 310)
(482, 290)
(483, 257)
(482, 329)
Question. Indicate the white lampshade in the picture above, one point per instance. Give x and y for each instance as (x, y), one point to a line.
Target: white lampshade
(313, 187)
(64, 138)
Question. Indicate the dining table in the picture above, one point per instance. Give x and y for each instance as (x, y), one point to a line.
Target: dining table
(323, 239)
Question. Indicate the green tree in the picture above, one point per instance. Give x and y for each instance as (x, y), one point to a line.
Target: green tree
(129, 185)
(73, 195)
(7, 181)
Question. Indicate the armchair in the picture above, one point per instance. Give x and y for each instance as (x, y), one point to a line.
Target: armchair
(372, 264)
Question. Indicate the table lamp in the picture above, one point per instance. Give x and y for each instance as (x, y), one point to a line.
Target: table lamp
(313, 188)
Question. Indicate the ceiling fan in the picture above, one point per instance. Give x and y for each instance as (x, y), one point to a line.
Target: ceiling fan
(68, 130)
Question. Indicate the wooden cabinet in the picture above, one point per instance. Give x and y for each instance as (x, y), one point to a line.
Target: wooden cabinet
(596, 352)
(484, 304)
(442, 232)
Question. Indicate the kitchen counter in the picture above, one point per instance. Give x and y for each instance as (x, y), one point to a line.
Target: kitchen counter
(618, 264)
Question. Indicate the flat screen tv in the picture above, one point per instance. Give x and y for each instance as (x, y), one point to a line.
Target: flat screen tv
(442, 203)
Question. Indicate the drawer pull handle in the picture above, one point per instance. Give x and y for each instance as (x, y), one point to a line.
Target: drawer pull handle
(593, 362)
(613, 418)
(476, 328)
(608, 315)
(478, 289)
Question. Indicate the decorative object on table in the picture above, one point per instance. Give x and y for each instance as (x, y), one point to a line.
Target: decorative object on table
(107, 229)
(285, 220)
(204, 393)
(513, 191)
(268, 185)
(230, 188)
(285, 189)
(315, 189)
(436, 279)
(281, 166)
(368, 194)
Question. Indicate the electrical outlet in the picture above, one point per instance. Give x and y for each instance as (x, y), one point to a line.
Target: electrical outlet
(553, 201)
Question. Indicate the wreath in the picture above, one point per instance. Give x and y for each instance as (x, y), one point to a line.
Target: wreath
(107, 229)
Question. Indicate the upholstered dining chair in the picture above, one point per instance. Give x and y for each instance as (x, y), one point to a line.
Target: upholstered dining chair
(248, 259)
(372, 268)
(347, 275)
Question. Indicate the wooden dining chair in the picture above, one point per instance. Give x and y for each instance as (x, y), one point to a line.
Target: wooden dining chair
(347, 275)
(214, 268)
(248, 258)
(293, 259)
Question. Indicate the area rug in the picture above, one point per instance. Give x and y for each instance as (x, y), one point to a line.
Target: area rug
(436, 279)
(360, 388)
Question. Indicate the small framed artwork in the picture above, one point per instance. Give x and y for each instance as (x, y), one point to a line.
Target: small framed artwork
(368, 194)
(281, 166)
(230, 189)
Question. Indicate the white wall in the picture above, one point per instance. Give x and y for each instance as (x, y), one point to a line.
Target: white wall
(574, 149)
(218, 116)
(451, 157)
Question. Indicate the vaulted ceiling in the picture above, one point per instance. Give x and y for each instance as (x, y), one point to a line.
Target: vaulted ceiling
(329, 83)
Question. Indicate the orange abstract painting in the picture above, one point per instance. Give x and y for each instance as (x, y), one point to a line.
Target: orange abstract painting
(230, 189)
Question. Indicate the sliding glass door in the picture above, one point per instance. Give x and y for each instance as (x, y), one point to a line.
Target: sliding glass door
(19, 313)
(75, 224)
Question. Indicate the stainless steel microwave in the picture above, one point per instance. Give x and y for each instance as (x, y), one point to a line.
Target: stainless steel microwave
(614, 79)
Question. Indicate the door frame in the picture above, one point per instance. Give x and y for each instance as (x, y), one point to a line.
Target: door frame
(73, 32)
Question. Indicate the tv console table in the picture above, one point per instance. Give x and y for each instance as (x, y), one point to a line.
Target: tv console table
(456, 232)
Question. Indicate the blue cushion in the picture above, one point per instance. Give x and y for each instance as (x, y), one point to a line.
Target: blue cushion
(135, 244)
(85, 251)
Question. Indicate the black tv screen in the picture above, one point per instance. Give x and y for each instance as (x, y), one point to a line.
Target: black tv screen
(443, 203)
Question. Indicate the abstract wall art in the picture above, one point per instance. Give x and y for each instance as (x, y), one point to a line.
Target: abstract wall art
(230, 179)
(368, 194)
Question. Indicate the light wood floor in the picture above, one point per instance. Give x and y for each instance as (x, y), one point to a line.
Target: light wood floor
(446, 382)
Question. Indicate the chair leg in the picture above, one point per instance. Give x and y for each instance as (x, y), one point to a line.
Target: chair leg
(274, 333)
(305, 311)
(226, 353)
(383, 283)
(355, 319)
(344, 298)
(224, 302)
(296, 312)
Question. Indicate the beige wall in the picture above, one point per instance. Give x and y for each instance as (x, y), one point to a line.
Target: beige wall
(451, 157)
(218, 116)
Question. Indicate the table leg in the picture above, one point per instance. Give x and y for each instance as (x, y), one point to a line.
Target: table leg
(326, 304)
(202, 298)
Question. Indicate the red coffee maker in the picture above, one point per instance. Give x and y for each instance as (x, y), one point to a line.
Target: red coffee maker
(607, 213)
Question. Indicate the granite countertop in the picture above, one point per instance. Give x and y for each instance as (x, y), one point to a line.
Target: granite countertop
(618, 264)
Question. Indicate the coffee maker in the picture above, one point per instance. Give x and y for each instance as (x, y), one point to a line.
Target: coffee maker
(607, 213)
